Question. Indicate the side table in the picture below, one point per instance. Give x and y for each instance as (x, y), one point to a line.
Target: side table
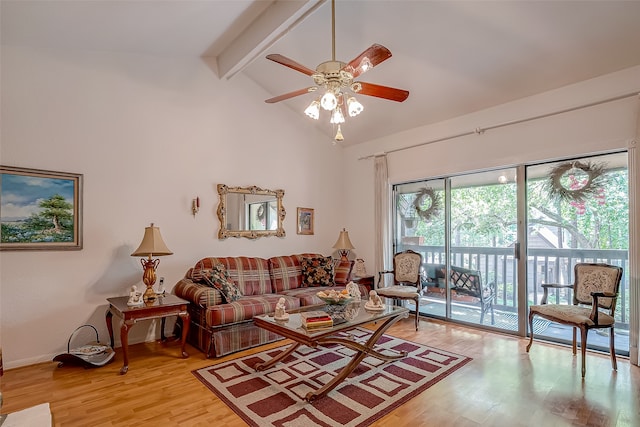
(160, 308)
(367, 281)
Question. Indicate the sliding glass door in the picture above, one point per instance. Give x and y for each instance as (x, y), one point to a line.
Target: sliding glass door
(420, 226)
(466, 228)
(483, 236)
(578, 211)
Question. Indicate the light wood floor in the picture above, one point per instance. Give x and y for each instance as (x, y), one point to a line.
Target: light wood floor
(502, 386)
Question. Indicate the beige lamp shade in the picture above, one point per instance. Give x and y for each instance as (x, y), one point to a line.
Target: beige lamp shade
(343, 243)
(152, 244)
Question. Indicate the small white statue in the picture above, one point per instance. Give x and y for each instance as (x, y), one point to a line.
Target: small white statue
(354, 291)
(135, 297)
(281, 314)
(360, 268)
(375, 302)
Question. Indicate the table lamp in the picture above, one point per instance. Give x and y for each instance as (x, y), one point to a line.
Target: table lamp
(151, 245)
(344, 245)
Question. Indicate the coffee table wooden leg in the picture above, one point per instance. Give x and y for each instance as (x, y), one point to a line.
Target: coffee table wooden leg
(185, 329)
(362, 351)
(279, 357)
(124, 338)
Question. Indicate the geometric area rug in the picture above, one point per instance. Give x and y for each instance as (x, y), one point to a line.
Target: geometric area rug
(275, 397)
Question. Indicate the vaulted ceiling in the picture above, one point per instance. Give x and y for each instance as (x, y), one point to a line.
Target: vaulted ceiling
(455, 57)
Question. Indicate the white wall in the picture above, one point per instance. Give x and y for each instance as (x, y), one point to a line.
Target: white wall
(149, 134)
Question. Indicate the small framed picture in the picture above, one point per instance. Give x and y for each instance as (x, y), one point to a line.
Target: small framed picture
(305, 221)
(40, 210)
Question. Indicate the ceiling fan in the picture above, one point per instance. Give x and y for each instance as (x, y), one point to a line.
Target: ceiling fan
(337, 79)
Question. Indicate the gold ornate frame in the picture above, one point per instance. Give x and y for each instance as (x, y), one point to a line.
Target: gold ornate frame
(223, 211)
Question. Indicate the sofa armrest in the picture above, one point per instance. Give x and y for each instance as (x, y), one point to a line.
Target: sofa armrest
(198, 293)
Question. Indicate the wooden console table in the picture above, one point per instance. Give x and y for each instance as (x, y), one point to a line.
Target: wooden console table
(160, 308)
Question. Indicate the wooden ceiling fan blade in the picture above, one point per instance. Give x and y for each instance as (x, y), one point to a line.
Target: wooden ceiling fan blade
(280, 59)
(291, 94)
(386, 92)
(367, 59)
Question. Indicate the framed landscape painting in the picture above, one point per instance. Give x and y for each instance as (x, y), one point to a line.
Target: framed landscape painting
(305, 221)
(40, 210)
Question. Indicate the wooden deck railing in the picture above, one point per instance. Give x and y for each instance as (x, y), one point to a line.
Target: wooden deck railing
(498, 265)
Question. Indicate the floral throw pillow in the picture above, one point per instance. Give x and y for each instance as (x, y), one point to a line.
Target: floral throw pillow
(218, 278)
(317, 271)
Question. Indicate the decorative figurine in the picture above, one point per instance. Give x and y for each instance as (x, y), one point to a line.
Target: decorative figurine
(360, 268)
(281, 314)
(351, 311)
(354, 291)
(135, 297)
(374, 303)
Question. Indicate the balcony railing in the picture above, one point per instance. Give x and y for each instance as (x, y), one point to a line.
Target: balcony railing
(498, 265)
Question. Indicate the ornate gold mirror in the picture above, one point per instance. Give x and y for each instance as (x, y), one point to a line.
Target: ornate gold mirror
(250, 212)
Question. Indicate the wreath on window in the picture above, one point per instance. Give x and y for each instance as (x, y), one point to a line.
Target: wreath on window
(565, 183)
(434, 203)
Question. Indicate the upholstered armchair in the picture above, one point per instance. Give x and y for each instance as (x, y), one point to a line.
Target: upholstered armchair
(595, 290)
(407, 267)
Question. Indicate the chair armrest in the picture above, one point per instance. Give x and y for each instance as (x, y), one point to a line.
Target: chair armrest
(555, 286)
(604, 294)
(594, 307)
(547, 286)
(380, 273)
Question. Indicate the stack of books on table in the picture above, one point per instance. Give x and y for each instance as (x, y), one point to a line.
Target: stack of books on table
(316, 320)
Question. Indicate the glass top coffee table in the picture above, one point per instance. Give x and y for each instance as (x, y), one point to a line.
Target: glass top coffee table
(353, 315)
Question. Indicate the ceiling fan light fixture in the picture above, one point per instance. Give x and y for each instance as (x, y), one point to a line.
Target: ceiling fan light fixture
(335, 78)
(313, 110)
(337, 117)
(329, 101)
(365, 65)
(354, 107)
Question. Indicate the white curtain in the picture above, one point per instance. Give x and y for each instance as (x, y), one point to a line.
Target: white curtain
(634, 246)
(382, 213)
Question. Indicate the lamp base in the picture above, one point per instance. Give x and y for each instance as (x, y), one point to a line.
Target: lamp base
(149, 277)
(149, 294)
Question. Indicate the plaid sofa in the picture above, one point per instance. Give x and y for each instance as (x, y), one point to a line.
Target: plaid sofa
(218, 328)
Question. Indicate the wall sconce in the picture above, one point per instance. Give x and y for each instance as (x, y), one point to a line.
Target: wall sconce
(195, 206)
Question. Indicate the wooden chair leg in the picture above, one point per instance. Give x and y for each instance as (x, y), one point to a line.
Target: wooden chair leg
(531, 314)
(583, 348)
(417, 311)
(614, 363)
(574, 341)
